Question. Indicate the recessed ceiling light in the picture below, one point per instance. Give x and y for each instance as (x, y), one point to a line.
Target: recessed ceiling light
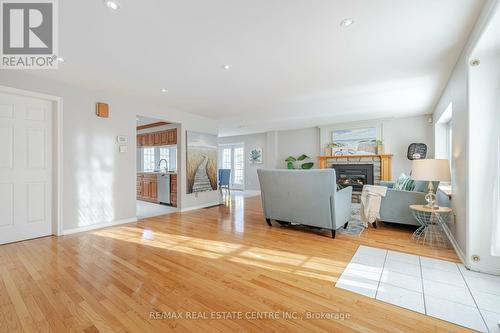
(112, 4)
(60, 59)
(226, 66)
(347, 22)
(164, 90)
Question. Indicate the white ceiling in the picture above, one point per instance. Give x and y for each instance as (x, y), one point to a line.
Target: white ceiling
(293, 65)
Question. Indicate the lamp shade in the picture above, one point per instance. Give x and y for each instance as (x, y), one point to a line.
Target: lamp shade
(431, 170)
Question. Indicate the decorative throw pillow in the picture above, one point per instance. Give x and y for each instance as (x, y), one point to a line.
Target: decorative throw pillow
(409, 185)
(400, 182)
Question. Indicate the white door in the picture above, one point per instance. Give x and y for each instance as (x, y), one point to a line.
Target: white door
(233, 157)
(25, 168)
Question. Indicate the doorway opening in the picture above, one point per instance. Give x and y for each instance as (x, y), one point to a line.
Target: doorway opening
(157, 165)
(232, 157)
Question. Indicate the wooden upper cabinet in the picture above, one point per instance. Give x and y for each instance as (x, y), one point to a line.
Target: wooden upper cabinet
(162, 138)
(172, 137)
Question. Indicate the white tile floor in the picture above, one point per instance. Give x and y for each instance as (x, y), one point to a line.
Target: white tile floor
(148, 209)
(437, 288)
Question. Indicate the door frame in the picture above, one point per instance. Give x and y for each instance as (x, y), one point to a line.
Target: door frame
(57, 152)
(232, 146)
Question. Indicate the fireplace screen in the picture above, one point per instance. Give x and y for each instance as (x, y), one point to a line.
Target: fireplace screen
(355, 175)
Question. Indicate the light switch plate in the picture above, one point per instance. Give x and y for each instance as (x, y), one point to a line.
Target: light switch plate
(123, 149)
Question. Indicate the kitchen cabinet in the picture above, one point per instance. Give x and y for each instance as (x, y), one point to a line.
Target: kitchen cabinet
(147, 188)
(173, 190)
(172, 137)
(161, 138)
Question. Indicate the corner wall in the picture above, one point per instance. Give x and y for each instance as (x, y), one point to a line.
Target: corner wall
(99, 183)
(467, 90)
(397, 134)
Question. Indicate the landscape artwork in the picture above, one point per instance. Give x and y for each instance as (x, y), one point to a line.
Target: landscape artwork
(201, 162)
(358, 141)
(255, 156)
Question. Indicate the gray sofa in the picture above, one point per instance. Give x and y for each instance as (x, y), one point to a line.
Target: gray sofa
(307, 197)
(395, 208)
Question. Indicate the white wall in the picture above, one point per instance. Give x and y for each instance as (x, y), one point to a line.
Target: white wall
(468, 229)
(396, 133)
(251, 141)
(298, 142)
(484, 84)
(276, 146)
(456, 93)
(99, 183)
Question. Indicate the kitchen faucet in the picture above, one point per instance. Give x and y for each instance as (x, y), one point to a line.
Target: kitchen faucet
(166, 164)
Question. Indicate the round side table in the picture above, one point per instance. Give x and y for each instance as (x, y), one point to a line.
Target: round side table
(431, 221)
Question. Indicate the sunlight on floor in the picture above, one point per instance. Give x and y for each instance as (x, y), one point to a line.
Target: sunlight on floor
(148, 209)
(287, 262)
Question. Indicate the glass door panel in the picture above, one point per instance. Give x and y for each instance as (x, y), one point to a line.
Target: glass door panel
(232, 156)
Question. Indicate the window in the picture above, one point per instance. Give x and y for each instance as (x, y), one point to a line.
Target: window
(443, 133)
(151, 156)
(449, 136)
(164, 155)
(148, 159)
(238, 166)
(226, 158)
(232, 157)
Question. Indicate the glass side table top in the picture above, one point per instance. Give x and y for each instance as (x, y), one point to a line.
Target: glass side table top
(431, 221)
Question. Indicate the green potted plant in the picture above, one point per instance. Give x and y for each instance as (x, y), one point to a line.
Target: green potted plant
(291, 162)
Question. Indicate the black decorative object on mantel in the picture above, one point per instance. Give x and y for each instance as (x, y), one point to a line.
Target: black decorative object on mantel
(417, 151)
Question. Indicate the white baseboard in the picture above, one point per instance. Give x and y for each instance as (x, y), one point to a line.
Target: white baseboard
(251, 193)
(98, 226)
(455, 245)
(213, 203)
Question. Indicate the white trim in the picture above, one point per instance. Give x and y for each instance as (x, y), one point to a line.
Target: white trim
(187, 209)
(99, 226)
(57, 227)
(455, 245)
(251, 193)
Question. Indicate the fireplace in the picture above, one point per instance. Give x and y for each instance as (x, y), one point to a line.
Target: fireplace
(355, 175)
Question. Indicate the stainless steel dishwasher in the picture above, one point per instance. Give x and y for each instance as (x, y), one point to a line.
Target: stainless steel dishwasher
(164, 188)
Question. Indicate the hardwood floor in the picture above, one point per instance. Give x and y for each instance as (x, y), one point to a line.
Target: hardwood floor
(224, 258)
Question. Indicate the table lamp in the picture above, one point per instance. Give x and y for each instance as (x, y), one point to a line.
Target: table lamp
(431, 170)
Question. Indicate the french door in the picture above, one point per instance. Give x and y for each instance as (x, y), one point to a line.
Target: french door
(232, 156)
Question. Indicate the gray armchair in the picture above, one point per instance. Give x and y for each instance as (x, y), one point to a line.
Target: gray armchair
(395, 206)
(307, 197)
